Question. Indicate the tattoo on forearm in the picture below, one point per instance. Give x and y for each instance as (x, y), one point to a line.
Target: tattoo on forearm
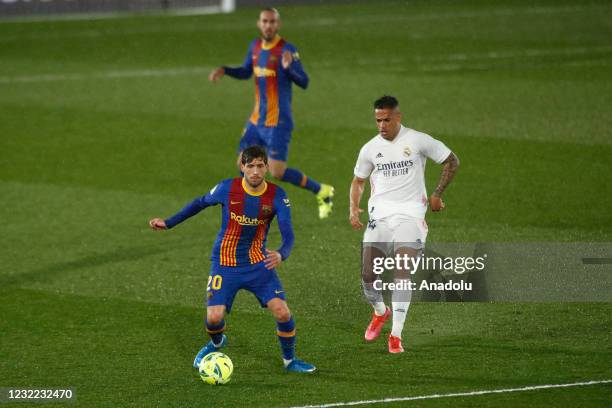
(448, 172)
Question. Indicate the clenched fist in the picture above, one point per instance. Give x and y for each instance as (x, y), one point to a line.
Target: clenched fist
(157, 224)
(435, 203)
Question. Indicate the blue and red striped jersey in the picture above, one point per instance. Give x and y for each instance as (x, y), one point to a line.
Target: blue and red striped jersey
(245, 221)
(272, 81)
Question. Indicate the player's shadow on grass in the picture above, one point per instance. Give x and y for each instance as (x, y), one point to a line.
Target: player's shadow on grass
(47, 273)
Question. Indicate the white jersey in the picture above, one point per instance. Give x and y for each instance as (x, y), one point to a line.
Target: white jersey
(397, 172)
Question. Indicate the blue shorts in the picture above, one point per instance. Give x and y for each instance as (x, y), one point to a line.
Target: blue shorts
(225, 282)
(274, 139)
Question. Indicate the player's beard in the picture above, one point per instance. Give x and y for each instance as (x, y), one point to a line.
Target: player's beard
(269, 36)
(254, 184)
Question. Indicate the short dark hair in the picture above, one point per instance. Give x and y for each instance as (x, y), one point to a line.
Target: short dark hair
(386, 102)
(272, 9)
(254, 152)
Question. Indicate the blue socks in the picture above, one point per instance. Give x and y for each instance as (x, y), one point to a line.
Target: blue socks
(297, 178)
(286, 337)
(284, 330)
(215, 331)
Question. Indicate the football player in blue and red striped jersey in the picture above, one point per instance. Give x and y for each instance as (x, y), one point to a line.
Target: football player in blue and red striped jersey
(276, 65)
(240, 258)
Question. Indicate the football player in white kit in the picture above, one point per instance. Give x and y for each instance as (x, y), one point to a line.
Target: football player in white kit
(394, 160)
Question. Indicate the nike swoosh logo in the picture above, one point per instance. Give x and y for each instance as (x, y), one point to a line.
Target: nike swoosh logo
(278, 291)
(234, 202)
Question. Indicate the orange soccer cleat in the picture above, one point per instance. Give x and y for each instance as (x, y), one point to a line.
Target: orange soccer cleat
(395, 344)
(376, 325)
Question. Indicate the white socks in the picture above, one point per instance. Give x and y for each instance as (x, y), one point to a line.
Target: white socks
(400, 310)
(400, 301)
(379, 308)
(400, 304)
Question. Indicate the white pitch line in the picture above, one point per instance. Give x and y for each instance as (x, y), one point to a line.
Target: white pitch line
(453, 61)
(449, 62)
(529, 52)
(485, 66)
(115, 74)
(458, 394)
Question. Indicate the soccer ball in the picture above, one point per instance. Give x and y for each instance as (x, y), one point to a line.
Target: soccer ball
(216, 368)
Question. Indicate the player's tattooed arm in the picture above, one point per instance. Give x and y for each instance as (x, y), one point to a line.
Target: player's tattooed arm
(451, 164)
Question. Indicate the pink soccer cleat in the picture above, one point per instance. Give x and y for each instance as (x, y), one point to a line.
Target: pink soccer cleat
(395, 345)
(376, 325)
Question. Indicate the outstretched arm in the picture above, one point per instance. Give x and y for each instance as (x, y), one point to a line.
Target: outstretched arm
(242, 72)
(213, 197)
(188, 211)
(357, 187)
(451, 164)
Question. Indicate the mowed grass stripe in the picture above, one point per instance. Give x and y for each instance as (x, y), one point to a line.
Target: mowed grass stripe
(187, 25)
(418, 62)
(116, 351)
(91, 296)
(126, 48)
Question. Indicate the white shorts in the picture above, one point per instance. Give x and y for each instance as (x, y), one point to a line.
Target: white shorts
(396, 231)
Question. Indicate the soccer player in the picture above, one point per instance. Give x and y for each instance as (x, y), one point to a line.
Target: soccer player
(276, 65)
(394, 160)
(240, 258)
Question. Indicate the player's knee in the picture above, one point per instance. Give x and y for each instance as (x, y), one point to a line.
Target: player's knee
(214, 317)
(277, 173)
(282, 314)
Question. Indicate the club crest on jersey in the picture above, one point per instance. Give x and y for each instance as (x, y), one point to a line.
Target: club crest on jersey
(407, 151)
(266, 210)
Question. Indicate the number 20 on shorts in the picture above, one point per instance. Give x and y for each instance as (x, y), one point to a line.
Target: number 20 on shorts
(214, 282)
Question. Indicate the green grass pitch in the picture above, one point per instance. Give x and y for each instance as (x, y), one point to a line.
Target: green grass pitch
(105, 124)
